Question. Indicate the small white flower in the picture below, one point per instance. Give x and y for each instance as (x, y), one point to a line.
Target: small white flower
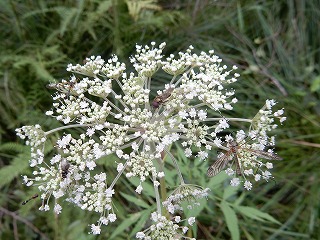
(156, 183)
(90, 132)
(59, 193)
(279, 113)
(192, 112)
(139, 189)
(183, 114)
(202, 115)
(55, 159)
(188, 152)
(266, 175)
(257, 177)
(57, 208)
(30, 183)
(269, 165)
(270, 103)
(235, 182)
(66, 120)
(191, 220)
(282, 119)
(185, 229)
(247, 185)
(49, 113)
(112, 217)
(95, 229)
(119, 153)
(248, 171)
(140, 235)
(104, 220)
(109, 192)
(202, 155)
(120, 167)
(229, 171)
(64, 141)
(91, 165)
(223, 124)
(170, 207)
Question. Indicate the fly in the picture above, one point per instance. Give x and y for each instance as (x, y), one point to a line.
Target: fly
(64, 87)
(64, 166)
(232, 153)
(162, 98)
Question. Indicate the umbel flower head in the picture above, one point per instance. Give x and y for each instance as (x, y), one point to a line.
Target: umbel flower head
(120, 112)
(166, 229)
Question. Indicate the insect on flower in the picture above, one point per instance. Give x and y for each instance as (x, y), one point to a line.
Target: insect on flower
(162, 98)
(64, 166)
(64, 87)
(233, 153)
(26, 201)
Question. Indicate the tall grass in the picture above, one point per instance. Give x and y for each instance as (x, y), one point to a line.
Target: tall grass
(275, 43)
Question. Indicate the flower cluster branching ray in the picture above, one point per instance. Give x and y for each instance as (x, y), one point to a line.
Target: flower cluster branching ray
(117, 115)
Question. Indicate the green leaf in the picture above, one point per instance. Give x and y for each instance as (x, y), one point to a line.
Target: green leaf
(35, 64)
(229, 191)
(216, 180)
(240, 199)
(68, 16)
(145, 214)
(315, 84)
(108, 160)
(240, 18)
(148, 188)
(195, 211)
(104, 7)
(135, 200)
(231, 220)
(16, 167)
(12, 146)
(126, 224)
(256, 214)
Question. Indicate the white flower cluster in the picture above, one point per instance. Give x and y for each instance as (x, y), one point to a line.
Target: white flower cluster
(35, 139)
(264, 121)
(185, 192)
(115, 112)
(164, 229)
(248, 163)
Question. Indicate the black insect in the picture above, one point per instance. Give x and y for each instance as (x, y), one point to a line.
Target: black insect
(64, 166)
(26, 201)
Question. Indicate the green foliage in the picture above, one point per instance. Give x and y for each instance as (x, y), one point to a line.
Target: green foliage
(275, 43)
(231, 220)
(138, 219)
(17, 166)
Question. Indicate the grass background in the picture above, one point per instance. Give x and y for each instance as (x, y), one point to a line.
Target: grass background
(274, 43)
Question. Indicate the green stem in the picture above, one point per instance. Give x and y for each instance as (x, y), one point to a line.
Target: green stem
(229, 119)
(162, 184)
(68, 126)
(176, 165)
(163, 187)
(157, 195)
(118, 176)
